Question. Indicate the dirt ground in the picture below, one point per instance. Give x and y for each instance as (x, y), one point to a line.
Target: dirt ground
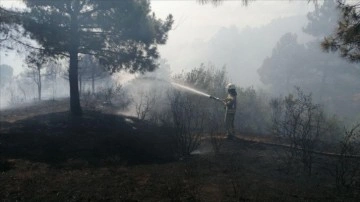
(47, 155)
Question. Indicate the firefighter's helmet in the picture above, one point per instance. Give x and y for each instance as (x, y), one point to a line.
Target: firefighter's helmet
(230, 86)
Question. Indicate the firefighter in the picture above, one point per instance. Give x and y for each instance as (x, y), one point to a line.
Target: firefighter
(230, 106)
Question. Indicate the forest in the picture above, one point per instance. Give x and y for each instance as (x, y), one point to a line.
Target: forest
(91, 110)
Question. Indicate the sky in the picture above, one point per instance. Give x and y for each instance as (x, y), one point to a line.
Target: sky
(200, 21)
(197, 23)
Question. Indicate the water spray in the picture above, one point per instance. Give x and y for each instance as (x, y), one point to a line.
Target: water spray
(186, 88)
(196, 91)
(190, 89)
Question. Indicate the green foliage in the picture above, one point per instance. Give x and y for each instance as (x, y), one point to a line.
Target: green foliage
(345, 39)
(123, 34)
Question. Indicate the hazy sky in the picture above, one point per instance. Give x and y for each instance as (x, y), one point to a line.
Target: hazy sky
(198, 23)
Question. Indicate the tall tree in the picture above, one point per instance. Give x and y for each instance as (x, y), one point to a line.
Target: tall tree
(283, 69)
(321, 22)
(333, 81)
(347, 34)
(346, 38)
(90, 70)
(323, 19)
(36, 61)
(122, 34)
(52, 73)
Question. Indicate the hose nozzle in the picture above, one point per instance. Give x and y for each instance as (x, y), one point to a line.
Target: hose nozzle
(215, 98)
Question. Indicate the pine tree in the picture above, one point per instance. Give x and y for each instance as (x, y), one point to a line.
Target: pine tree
(347, 34)
(121, 34)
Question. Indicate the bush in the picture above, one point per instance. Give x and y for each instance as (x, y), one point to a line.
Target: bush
(188, 120)
(114, 95)
(253, 112)
(145, 104)
(347, 175)
(252, 115)
(298, 123)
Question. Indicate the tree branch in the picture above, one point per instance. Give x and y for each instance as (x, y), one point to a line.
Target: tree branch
(36, 48)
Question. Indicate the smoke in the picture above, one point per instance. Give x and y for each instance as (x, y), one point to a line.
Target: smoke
(22, 90)
(150, 92)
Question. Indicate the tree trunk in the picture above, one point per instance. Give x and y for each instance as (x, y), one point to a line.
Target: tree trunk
(54, 86)
(39, 83)
(75, 107)
(80, 84)
(93, 82)
(323, 81)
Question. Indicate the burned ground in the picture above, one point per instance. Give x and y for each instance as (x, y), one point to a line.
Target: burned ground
(47, 155)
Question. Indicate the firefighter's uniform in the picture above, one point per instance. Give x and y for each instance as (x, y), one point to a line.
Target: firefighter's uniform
(230, 104)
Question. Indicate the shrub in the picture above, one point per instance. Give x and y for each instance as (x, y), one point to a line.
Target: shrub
(298, 123)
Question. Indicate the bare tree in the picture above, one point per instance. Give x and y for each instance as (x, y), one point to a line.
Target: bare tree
(53, 71)
(347, 173)
(14, 98)
(115, 94)
(216, 135)
(90, 70)
(188, 120)
(17, 90)
(145, 104)
(35, 61)
(298, 123)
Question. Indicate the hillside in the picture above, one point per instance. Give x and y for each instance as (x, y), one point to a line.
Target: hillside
(47, 155)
